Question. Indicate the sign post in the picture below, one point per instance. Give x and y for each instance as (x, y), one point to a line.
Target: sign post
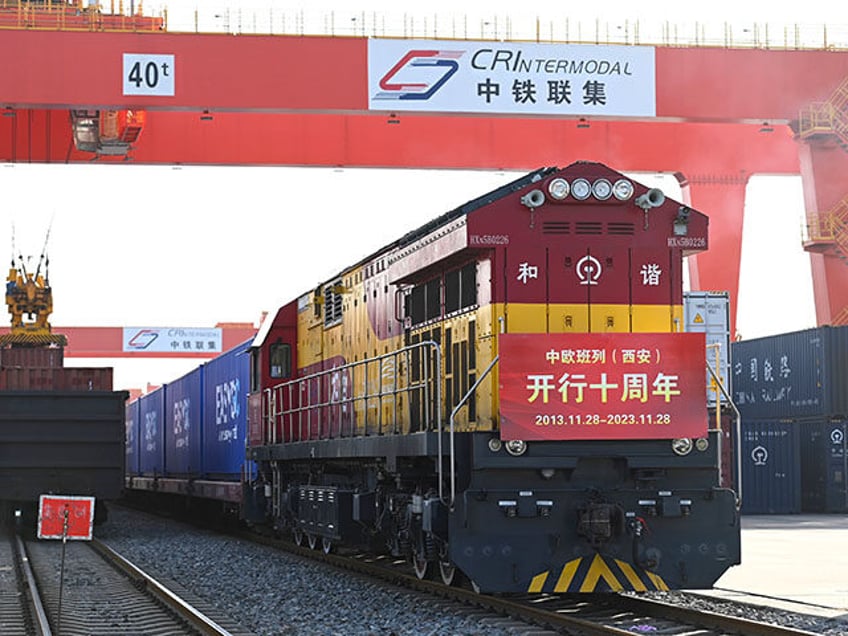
(65, 517)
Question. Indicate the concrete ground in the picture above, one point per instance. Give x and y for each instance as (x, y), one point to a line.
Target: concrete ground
(803, 558)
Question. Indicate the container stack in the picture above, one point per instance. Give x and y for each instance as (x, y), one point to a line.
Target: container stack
(41, 368)
(792, 392)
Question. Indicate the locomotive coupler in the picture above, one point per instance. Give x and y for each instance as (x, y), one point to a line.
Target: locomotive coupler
(599, 522)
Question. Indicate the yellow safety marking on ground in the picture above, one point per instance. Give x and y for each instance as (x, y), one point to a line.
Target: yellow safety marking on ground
(537, 583)
(600, 570)
(630, 573)
(567, 575)
(658, 582)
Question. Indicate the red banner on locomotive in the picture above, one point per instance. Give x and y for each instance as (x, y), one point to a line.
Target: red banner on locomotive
(601, 386)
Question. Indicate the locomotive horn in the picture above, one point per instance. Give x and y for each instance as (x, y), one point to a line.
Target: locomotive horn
(653, 198)
(533, 199)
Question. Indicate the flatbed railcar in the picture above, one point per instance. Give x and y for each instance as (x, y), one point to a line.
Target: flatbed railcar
(502, 396)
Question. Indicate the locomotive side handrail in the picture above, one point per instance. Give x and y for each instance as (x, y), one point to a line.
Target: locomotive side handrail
(324, 403)
(737, 433)
(459, 405)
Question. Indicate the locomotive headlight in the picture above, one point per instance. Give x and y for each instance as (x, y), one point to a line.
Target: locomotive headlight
(558, 189)
(494, 444)
(682, 446)
(602, 189)
(516, 447)
(581, 189)
(622, 189)
(702, 444)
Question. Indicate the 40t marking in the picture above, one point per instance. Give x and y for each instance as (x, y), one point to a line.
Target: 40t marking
(147, 74)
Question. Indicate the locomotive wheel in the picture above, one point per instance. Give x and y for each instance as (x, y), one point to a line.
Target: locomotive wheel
(447, 570)
(326, 545)
(312, 540)
(420, 564)
(298, 537)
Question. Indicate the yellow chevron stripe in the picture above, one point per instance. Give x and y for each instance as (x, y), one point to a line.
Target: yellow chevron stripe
(630, 573)
(657, 580)
(597, 571)
(537, 583)
(567, 575)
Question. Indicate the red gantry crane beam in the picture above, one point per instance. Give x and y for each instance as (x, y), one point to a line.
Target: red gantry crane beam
(717, 116)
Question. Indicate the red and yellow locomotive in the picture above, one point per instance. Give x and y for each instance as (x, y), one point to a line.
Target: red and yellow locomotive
(504, 393)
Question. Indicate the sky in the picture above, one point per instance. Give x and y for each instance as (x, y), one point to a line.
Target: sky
(225, 244)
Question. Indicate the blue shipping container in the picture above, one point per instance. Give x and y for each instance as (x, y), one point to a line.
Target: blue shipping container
(183, 420)
(151, 423)
(824, 466)
(795, 375)
(771, 468)
(225, 386)
(132, 438)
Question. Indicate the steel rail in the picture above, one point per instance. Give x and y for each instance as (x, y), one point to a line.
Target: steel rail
(712, 620)
(42, 625)
(190, 614)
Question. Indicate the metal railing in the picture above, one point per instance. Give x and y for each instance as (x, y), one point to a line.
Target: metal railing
(220, 17)
(737, 435)
(62, 15)
(453, 415)
(396, 392)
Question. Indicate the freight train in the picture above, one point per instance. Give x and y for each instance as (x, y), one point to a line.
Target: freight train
(504, 396)
(61, 428)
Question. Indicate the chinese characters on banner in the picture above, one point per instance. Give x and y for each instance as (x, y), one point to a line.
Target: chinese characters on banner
(173, 340)
(508, 77)
(602, 386)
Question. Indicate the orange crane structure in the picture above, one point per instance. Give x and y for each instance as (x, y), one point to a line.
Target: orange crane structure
(29, 300)
(93, 83)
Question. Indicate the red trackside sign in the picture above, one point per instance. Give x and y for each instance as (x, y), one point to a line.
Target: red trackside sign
(602, 386)
(65, 516)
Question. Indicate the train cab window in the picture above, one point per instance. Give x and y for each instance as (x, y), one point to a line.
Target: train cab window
(279, 360)
(434, 298)
(415, 305)
(424, 302)
(468, 285)
(451, 291)
(255, 371)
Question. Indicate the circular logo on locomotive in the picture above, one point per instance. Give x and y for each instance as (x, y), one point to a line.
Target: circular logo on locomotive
(589, 270)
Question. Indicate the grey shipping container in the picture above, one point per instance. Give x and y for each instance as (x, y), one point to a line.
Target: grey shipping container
(824, 465)
(802, 374)
(709, 313)
(771, 468)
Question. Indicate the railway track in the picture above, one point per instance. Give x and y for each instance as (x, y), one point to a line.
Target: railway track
(515, 614)
(585, 614)
(87, 589)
